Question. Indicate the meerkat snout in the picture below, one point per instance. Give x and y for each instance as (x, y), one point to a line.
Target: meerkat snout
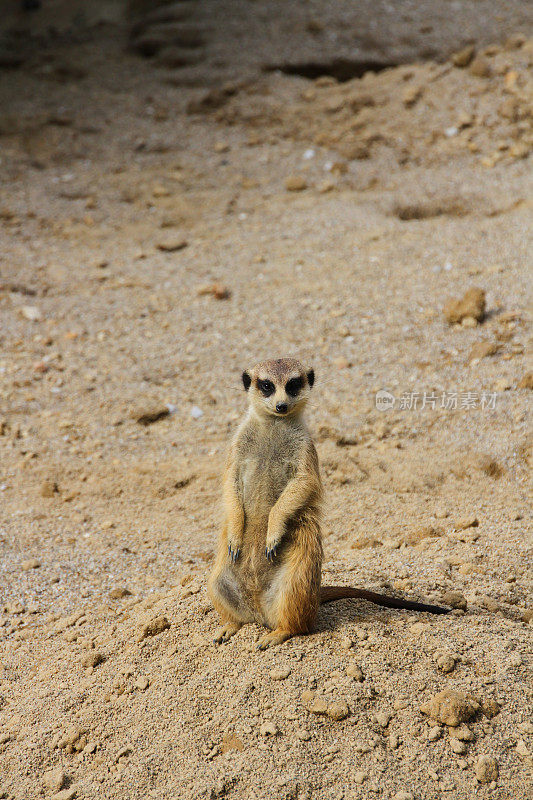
(278, 387)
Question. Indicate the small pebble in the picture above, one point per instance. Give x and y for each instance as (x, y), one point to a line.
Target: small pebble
(457, 746)
(54, 779)
(153, 627)
(486, 769)
(92, 659)
(295, 183)
(446, 662)
(172, 244)
(354, 671)
(338, 711)
(455, 600)
(31, 313)
(268, 728)
(31, 563)
(279, 674)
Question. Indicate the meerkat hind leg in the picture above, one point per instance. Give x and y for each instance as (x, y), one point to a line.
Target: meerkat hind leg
(273, 638)
(226, 631)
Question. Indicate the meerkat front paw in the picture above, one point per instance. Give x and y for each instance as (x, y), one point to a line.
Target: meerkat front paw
(225, 632)
(272, 638)
(273, 540)
(234, 547)
(233, 554)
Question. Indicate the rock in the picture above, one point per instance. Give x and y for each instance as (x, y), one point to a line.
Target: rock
(353, 670)
(394, 741)
(151, 415)
(441, 512)
(465, 523)
(31, 313)
(119, 593)
(527, 615)
(54, 779)
(446, 662)
(523, 727)
(171, 244)
(382, 718)
(92, 659)
(472, 304)
(490, 467)
(455, 600)
(482, 350)
(153, 627)
(418, 534)
(490, 604)
(268, 728)
(65, 794)
(450, 707)
(462, 732)
(418, 628)
(480, 67)
(279, 674)
(303, 734)
(401, 795)
(30, 563)
(295, 183)
(73, 741)
(463, 57)
(527, 381)
(49, 488)
(434, 734)
(142, 683)
(360, 777)
(490, 707)
(342, 363)
(522, 749)
(231, 742)
(411, 95)
(318, 706)
(486, 769)
(338, 711)
(308, 695)
(458, 747)
(217, 290)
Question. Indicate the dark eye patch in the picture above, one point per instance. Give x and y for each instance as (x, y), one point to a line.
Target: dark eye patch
(294, 386)
(266, 387)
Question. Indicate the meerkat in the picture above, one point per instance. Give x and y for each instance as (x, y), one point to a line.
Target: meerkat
(269, 560)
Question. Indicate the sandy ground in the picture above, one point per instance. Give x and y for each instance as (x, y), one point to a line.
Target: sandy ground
(338, 218)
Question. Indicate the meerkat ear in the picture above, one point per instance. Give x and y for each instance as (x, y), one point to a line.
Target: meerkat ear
(311, 377)
(246, 381)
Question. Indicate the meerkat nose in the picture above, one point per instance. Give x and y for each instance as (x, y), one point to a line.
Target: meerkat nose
(281, 408)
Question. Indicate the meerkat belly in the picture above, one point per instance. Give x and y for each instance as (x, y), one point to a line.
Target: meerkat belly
(262, 481)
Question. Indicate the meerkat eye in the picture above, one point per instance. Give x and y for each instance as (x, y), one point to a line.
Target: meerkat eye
(294, 386)
(266, 387)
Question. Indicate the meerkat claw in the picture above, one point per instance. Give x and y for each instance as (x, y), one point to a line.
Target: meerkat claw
(234, 554)
(225, 632)
(271, 554)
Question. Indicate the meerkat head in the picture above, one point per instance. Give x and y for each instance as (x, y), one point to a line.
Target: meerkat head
(279, 387)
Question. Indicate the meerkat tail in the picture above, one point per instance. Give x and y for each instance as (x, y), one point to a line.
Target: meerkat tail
(330, 593)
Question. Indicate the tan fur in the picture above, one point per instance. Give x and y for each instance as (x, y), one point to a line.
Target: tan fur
(269, 559)
(272, 499)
